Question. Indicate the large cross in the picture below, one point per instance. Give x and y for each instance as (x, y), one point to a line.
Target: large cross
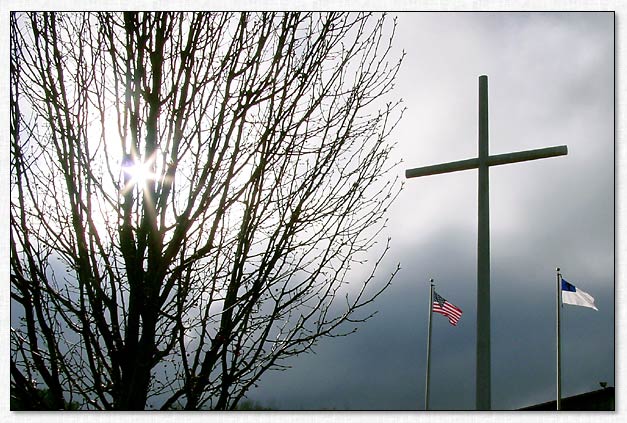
(483, 162)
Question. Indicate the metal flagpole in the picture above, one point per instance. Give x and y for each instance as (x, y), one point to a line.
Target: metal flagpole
(559, 348)
(428, 372)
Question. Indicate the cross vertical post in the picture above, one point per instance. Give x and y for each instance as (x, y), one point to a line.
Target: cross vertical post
(483, 162)
(483, 256)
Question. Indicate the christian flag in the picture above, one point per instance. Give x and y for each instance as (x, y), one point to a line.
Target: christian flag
(440, 305)
(575, 296)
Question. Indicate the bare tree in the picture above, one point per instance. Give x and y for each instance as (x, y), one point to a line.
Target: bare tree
(189, 192)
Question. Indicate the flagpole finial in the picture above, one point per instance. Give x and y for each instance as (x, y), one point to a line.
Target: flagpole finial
(557, 269)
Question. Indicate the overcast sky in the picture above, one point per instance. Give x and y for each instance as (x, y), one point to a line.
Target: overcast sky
(551, 82)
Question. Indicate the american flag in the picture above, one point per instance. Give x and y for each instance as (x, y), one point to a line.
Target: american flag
(440, 305)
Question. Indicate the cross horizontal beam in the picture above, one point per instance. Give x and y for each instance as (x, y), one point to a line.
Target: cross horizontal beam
(496, 160)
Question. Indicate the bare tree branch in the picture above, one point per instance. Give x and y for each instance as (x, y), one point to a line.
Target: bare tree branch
(190, 194)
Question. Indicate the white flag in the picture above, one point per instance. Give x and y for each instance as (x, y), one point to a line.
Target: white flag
(575, 296)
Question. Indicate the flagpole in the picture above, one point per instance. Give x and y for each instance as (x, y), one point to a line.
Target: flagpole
(428, 372)
(559, 349)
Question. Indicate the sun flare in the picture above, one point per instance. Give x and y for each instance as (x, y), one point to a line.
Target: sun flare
(139, 173)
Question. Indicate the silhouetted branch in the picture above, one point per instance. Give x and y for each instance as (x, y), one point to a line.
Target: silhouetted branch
(189, 195)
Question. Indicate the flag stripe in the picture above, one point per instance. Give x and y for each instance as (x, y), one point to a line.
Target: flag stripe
(441, 306)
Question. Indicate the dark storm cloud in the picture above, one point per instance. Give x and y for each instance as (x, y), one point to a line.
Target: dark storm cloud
(382, 365)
